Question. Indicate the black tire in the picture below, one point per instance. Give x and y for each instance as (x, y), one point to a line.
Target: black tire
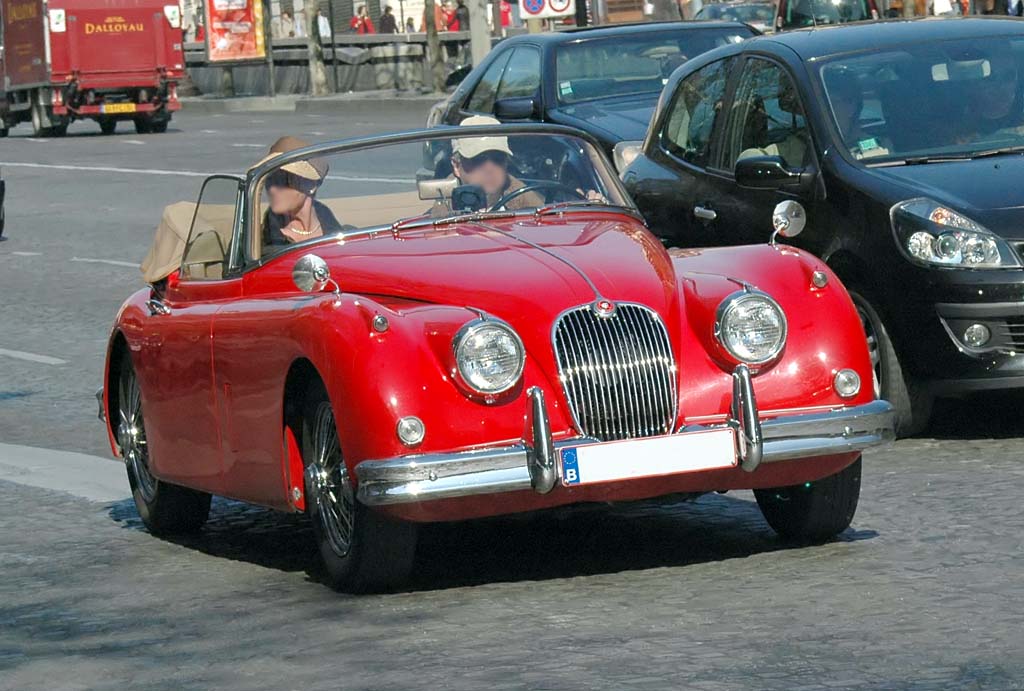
(367, 552)
(4, 131)
(108, 126)
(165, 509)
(159, 126)
(143, 125)
(913, 405)
(813, 512)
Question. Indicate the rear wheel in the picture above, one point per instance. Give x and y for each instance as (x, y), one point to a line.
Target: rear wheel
(165, 508)
(143, 125)
(360, 549)
(108, 125)
(814, 511)
(160, 126)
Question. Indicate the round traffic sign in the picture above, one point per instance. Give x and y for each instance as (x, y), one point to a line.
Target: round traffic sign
(533, 6)
(559, 5)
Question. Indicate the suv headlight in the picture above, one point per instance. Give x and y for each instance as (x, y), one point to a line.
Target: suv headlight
(934, 235)
(490, 356)
(751, 327)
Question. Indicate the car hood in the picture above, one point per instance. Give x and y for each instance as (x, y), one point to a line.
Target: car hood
(989, 190)
(618, 119)
(520, 270)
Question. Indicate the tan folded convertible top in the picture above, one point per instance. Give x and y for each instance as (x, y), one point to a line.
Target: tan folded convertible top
(168, 246)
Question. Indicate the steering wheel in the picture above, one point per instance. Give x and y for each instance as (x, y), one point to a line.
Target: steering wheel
(533, 187)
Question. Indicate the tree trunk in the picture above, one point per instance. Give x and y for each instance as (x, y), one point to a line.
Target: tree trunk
(434, 54)
(227, 82)
(318, 85)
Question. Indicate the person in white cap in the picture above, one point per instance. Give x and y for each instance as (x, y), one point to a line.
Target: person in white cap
(483, 161)
(294, 214)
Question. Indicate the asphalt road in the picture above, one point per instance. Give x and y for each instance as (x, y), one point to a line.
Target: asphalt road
(925, 591)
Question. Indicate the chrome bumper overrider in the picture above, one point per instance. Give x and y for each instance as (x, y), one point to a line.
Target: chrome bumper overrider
(532, 463)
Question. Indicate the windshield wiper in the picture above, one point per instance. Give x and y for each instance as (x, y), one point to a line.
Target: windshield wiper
(561, 206)
(999, 152)
(965, 156)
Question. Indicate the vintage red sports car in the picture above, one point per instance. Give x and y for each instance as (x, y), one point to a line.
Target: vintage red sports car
(422, 348)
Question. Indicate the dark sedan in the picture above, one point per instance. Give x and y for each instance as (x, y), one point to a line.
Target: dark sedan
(602, 80)
(904, 141)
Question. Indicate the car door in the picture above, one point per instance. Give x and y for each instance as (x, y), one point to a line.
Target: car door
(765, 118)
(174, 359)
(668, 184)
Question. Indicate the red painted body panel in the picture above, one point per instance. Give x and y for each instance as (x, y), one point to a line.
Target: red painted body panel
(223, 404)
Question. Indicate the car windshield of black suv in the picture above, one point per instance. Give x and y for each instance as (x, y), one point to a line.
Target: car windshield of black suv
(632, 64)
(926, 102)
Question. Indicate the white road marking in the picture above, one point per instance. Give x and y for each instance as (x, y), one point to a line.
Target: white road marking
(105, 169)
(90, 477)
(36, 140)
(32, 357)
(26, 254)
(132, 141)
(113, 262)
(249, 146)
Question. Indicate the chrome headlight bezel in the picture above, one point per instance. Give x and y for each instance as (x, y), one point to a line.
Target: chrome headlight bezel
(728, 307)
(920, 225)
(474, 329)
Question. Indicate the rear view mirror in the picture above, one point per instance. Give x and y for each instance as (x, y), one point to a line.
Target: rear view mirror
(765, 173)
(788, 219)
(515, 109)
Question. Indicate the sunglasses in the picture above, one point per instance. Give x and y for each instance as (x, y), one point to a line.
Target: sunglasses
(280, 178)
(496, 157)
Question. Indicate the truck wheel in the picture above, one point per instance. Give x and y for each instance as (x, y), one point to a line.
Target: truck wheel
(165, 509)
(108, 125)
(160, 126)
(814, 511)
(143, 125)
(4, 131)
(361, 550)
(913, 405)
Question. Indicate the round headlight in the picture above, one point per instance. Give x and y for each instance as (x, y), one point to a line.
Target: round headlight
(490, 356)
(751, 327)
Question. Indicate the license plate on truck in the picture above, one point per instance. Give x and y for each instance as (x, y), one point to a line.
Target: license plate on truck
(639, 458)
(115, 108)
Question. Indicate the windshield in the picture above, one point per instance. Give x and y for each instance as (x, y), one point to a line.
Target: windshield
(817, 12)
(431, 181)
(632, 64)
(755, 14)
(943, 98)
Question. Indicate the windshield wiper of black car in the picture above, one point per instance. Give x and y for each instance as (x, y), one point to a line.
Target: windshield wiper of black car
(966, 156)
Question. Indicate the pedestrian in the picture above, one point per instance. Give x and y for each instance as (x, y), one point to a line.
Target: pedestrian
(388, 23)
(506, 14)
(361, 23)
(1014, 8)
(459, 20)
(410, 26)
(323, 26)
(287, 26)
(440, 18)
(299, 28)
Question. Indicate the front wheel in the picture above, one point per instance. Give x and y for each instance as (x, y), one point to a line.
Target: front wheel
(165, 509)
(361, 550)
(814, 511)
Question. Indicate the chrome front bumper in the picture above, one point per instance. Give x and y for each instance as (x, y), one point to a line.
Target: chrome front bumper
(532, 463)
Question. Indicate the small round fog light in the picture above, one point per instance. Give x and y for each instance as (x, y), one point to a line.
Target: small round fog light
(847, 383)
(977, 335)
(411, 430)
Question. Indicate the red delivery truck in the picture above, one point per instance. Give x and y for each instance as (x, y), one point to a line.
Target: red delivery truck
(109, 60)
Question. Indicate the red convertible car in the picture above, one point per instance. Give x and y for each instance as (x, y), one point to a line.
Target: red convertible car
(341, 334)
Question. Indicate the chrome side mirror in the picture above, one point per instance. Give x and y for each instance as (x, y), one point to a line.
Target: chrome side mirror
(625, 153)
(311, 274)
(788, 219)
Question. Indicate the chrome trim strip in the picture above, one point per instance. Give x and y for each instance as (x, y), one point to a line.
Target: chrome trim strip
(430, 477)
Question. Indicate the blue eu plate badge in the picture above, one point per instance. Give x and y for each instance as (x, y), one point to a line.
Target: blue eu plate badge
(570, 467)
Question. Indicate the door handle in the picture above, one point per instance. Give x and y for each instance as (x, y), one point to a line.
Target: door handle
(157, 307)
(704, 213)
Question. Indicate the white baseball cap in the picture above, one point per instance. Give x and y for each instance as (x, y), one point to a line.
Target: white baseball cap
(468, 147)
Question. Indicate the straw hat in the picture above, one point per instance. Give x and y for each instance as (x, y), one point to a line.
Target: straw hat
(468, 147)
(313, 169)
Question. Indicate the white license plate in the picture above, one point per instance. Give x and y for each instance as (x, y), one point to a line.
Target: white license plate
(640, 458)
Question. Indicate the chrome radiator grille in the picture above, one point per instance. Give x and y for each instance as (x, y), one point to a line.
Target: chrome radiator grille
(618, 371)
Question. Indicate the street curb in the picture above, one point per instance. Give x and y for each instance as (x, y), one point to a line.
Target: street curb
(345, 103)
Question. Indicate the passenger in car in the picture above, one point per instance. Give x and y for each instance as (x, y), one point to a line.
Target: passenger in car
(294, 214)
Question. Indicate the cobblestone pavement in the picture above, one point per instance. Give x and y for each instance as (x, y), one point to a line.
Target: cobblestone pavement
(925, 591)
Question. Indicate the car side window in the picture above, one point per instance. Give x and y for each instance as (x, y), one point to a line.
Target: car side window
(522, 75)
(766, 118)
(208, 250)
(695, 109)
(482, 98)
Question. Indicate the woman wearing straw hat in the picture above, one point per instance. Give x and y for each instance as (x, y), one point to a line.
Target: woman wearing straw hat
(294, 214)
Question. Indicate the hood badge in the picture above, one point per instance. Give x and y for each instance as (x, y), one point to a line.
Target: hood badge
(603, 308)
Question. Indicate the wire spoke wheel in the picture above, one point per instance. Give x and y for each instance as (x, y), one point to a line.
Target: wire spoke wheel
(131, 435)
(328, 481)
